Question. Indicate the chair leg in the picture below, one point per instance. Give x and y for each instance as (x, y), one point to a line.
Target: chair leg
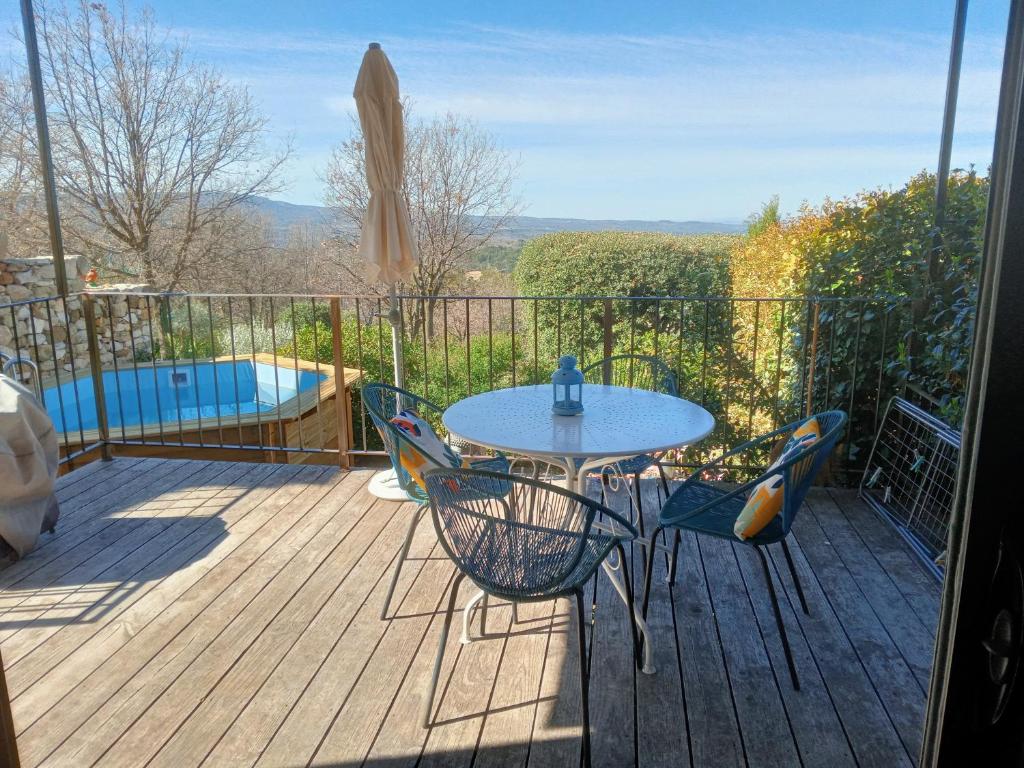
(778, 619)
(651, 551)
(796, 578)
(639, 503)
(428, 705)
(401, 558)
(483, 615)
(664, 480)
(584, 677)
(630, 607)
(675, 557)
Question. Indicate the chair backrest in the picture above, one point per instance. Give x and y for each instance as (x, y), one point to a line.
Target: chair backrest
(513, 536)
(636, 371)
(383, 402)
(801, 468)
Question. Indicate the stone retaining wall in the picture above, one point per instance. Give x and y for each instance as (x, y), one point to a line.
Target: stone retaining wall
(52, 335)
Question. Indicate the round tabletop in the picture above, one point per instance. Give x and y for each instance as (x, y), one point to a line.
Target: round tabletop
(616, 422)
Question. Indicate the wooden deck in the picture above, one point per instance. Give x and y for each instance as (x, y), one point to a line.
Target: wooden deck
(201, 613)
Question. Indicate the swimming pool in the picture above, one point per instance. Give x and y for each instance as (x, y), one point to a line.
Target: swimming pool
(143, 395)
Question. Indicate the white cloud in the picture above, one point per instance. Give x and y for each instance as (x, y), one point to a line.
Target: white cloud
(713, 121)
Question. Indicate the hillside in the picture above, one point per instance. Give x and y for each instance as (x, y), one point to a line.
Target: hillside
(518, 228)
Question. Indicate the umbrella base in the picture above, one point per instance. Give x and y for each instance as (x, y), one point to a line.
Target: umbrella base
(384, 485)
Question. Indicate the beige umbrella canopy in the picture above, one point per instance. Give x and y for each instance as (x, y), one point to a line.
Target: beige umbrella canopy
(386, 241)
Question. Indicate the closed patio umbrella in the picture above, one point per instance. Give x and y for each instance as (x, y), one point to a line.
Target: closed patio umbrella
(385, 241)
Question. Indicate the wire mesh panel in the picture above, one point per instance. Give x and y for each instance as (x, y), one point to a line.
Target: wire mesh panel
(911, 477)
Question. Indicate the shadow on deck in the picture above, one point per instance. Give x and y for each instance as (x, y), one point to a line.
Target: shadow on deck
(192, 612)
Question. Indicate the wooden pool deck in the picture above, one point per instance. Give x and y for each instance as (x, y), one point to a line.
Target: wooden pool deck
(227, 614)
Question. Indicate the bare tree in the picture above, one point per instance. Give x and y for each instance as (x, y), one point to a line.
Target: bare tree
(22, 215)
(457, 186)
(152, 151)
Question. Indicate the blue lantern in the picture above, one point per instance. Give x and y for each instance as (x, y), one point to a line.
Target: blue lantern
(563, 382)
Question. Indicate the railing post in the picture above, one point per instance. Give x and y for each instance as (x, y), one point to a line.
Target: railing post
(96, 371)
(608, 339)
(341, 394)
(813, 361)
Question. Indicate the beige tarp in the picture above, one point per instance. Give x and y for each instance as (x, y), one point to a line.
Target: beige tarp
(28, 467)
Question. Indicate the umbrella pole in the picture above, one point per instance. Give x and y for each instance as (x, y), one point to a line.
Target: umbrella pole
(395, 318)
(384, 485)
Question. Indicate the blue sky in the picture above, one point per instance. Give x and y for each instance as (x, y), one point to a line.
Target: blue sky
(669, 110)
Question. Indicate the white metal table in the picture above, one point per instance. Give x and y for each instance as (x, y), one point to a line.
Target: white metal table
(617, 423)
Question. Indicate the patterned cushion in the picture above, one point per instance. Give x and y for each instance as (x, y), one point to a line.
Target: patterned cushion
(803, 436)
(765, 500)
(424, 449)
(764, 504)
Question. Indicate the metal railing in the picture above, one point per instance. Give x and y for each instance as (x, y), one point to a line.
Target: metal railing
(261, 372)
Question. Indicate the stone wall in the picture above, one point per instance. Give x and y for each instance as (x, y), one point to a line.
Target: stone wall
(53, 335)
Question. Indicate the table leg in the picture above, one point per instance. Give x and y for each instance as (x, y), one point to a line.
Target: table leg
(577, 481)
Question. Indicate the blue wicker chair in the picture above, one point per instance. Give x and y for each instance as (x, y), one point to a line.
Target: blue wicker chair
(383, 402)
(712, 510)
(535, 542)
(639, 372)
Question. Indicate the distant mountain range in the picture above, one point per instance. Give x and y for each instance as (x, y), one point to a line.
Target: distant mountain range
(287, 215)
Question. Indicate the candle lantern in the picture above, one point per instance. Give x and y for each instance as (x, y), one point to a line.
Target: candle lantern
(567, 388)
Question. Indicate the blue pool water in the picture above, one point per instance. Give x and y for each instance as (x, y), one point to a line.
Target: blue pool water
(154, 394)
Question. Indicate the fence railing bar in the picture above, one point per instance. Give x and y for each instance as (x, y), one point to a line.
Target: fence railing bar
(135, 374)
(298, 372)
(256, 386)
(195, 367)
(173, 343)
(753, 372)
(70, 346)
(74, 365)
(234, 371)
(281, 433)
(156, 381)
(213, 366)
(117, 371)
(776, 421)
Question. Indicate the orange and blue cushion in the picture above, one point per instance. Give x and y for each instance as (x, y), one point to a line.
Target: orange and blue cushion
(764, 504)
(807, 433)
(765, 501)
(424, 449)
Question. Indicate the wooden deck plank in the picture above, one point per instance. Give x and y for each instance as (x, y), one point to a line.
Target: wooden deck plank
(850, 624)
(714, 732)
(400, 738)
(147, 712)
(908, 633)
(111, 659)
(919, 587)
(612, 669)
(384, 672)
(263, 715)
(297, 733)
(557, 725)
(223, 531)
(341, 583)
(74, 483)
(767, 732)
(811, 711)
(33, 598)
(505, 741)
(236, 622)
(465, 689)
(72, 544)
(661, 714)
